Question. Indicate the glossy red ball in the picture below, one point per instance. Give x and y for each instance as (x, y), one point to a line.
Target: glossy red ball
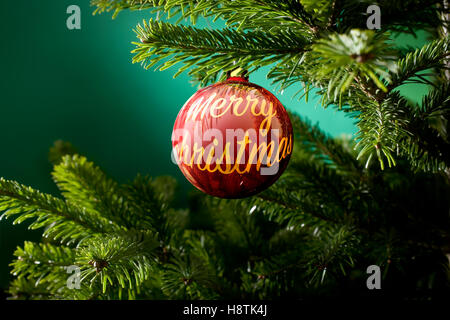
(232, 139)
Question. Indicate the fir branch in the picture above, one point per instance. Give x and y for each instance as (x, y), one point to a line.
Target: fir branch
(206, 48)
(322, 12)
(122, 261)
(264, 14)
(291, 71)
(45, 264)
(382, 126)
(60, 149)
(26, 289)
(150, 205)
(276, 274)
(118, 5)
(431, 55)
(332, 252)
(63, 220)
(347, 68)
(268, 15)
(43, 254)
(428, 148)
(293, 206)
(309, 264)
(421, 14)
(187, 277)
(323, 147)
(87, 186)
(343, 57)
(436, 104)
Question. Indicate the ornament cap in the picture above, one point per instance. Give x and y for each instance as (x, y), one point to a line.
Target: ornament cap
(238, 74)
(239, 79)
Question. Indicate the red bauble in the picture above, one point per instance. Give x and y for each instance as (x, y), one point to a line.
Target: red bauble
(232, 139)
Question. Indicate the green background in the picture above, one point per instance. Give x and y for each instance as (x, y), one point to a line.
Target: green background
(80, 86)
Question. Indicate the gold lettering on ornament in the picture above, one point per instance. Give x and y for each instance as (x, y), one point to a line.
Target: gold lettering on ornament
(270, 152)
(219, 107)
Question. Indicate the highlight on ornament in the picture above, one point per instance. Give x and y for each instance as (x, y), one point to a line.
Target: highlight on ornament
(232, 139)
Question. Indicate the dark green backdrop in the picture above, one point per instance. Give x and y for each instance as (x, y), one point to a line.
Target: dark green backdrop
(80, 86)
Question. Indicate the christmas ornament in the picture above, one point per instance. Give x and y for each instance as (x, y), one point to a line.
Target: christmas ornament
(232, 139)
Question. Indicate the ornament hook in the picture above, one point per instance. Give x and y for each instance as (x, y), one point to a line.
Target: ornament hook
(237, 73)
